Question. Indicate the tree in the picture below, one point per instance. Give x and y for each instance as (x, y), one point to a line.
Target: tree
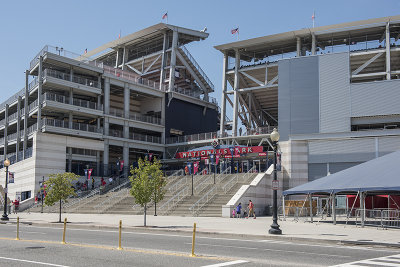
(59, 188)
(147, 183)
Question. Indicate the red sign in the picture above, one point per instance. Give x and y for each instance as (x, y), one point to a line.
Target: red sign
(275, 184)
(223, 152)
(262, 154)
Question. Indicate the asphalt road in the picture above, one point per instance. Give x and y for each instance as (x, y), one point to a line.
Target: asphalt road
(41, 246)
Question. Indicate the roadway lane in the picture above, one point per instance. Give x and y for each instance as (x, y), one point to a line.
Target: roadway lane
(258, 252)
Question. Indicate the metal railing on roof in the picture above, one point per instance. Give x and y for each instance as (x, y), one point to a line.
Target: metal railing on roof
(67, 77)
(75, 125)
(75, 101)
(135, 116)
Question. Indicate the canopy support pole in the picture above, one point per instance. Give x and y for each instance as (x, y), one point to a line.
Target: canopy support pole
(352, 207)
(333, 209)
(311, 211)
(284, 209)
(362, 207)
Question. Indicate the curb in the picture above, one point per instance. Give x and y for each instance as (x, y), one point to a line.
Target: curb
(152, 229)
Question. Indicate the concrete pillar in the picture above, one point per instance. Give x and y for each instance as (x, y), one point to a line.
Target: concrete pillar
(298, 47)
(162, 73)
(235, 94)
(6, 132)
(71, 96)
(223, 98)
(106, 96)
(26, 115)
(163, 134)
(99, 81)
(173, 61)
(98, 166)
(70, 159)
(283, 208)
(98, 107)
(18, 158)
(106, 157)
(124, 57)
(333, 208)
(126, 129)
(39, 94)
(313, 44)
(71, 74)
(70, 119)
(388, 77)
(106, 126)
(125, 156)
(127, 98)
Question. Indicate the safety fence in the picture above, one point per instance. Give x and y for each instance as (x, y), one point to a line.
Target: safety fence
(384, 218)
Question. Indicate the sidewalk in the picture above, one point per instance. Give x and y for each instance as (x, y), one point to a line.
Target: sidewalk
(227, 227)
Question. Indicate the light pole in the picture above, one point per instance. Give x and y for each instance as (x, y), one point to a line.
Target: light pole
(275, 226)
(5, 217)
(42, 188)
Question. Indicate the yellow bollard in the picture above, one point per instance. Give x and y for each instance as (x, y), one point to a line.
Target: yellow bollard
(17, 229)
(120, 230)
(193, 240)
(65, 228)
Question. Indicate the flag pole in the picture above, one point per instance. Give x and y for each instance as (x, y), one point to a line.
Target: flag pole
(313, 19)
(238, 34)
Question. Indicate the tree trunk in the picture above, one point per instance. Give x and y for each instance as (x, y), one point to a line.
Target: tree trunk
(145, 207)
(59, 217)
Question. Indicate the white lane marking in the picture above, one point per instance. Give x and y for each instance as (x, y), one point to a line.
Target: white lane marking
(222, 238)
(37, 262)
(393, 260)
(270, 249)
(226, 263)
(27, 232)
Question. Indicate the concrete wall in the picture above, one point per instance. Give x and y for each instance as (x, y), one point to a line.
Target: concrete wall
(259, 191)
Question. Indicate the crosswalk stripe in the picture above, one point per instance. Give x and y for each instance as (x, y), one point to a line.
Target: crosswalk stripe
(392, 260)
(226, 263)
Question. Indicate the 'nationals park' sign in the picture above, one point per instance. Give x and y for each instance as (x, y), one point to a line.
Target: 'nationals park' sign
(222, 152)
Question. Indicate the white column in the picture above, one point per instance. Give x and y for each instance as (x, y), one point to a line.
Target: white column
(26, 104)
(173, 61)
(223, 100)
(70, 119)
(362, 209)
(18, 128)
(124, 57)
(69, 159)
(107, 96)
(106, 157)
(311, 208)
(127, 98)
(313, 44)
(235, 94)
(387, 52)
(298, 47)
(71, 96)
(125, 155)
(39, 94)
(333, 208)
(162, 72)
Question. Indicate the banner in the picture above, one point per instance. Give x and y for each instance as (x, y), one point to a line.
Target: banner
(195, 167)
(222, 152)
(89, 172)
(217, 159)
(10, 177)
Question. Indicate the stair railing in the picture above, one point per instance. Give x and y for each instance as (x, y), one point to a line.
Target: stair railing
(205, 199)
(235, 179)
(174, 200)
(197, 66)
(77, 202)
(220, 177)
(107, 202)
(178, 185)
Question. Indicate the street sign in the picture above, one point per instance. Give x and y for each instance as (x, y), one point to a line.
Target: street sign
(10, 177)
(275, 184)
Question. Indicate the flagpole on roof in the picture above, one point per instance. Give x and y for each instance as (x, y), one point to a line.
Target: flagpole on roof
(238, 33)
(313, 19)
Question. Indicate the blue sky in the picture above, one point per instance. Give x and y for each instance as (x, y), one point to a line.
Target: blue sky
(27, 26)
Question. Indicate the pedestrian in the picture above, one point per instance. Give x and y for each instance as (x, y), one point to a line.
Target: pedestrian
(251, 209)
(233, 213)
(238, 210)
(110, 180)
(186, 170)
(92, 183)
(16, 205)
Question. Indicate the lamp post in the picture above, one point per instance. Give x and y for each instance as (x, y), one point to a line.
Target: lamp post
(5, 217)
(275, 226)
(42, 188)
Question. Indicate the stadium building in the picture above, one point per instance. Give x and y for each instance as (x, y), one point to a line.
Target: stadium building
(106, 108)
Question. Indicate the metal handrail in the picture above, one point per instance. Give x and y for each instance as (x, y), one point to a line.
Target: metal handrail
(218, 177)
(77, 201)
(197, 66)
(173, 201)
(228, 186)
(178, 185)
(200, 187)
(117, 188)
(179, 172)
(203, 200)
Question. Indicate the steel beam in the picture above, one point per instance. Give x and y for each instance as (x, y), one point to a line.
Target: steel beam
(235, 93)
(223, 98)
(388, 76)
(363, 66)
(173, 61)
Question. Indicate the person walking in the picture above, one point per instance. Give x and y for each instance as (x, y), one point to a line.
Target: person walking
(16, 206)
(238, 210)
(251, 209)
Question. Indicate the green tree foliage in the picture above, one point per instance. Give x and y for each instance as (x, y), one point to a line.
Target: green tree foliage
(59, 188)
(147, 183)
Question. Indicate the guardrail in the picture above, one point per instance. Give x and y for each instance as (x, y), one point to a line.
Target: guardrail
(78, 201)
(203, 184)
(173, 201)
(219, 177)
(107, 203)
(203, 200)
(231, 183)
(178, 185)
(384, 218)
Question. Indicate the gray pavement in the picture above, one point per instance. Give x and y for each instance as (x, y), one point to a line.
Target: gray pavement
(228, 227)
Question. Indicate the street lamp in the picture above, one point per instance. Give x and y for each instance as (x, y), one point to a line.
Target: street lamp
(5, 217)
(275, 226)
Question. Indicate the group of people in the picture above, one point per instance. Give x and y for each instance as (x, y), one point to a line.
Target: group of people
(237, 212)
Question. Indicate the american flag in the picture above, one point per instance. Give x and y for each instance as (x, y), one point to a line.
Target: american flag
(165, 15)
(313, 16)
(233, 31)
